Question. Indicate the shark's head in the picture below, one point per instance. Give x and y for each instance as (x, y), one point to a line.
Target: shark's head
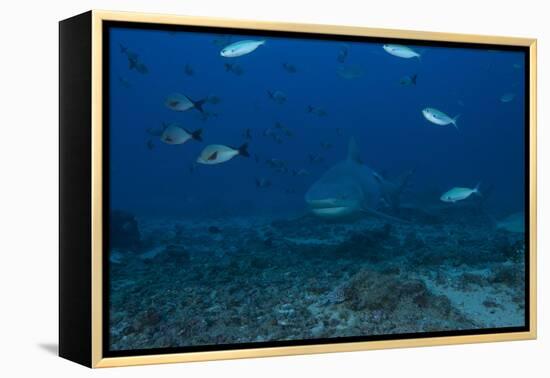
(334, 196)
(340, 191)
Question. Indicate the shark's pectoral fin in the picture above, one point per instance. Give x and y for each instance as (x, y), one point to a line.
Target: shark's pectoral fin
(378, 177)
(384, 216)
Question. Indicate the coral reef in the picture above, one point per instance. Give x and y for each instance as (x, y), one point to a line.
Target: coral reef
(253, 279)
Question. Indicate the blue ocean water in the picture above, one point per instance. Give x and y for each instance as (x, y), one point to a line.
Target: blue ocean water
(328, 92)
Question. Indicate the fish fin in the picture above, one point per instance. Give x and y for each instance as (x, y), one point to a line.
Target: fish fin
(270, 94)
(455, 119)
(420, 53)
(353, 151)
(384, 215)
(198, 104)
(378, 177)
(197, 135)
(262, 42)
(243, 150)
(131, 64)
(413, 79)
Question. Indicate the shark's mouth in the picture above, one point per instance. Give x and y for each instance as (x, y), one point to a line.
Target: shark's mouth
(331, 208)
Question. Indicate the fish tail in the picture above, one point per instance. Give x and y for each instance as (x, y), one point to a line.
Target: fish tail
(197, 135)
(454, 121)
(198, 104)
(243, 150)
(476, 189)
(413, 79)
(270, 94)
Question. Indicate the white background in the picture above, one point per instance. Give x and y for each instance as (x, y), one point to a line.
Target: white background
(29, 174)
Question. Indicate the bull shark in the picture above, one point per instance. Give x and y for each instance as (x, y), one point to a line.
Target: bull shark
(351, 188)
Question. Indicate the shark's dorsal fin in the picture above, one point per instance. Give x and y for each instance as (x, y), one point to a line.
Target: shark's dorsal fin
(353, 151)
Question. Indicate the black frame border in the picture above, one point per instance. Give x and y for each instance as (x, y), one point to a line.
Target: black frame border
(108, 25)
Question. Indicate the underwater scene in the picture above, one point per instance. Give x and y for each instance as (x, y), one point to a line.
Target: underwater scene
(285, 187)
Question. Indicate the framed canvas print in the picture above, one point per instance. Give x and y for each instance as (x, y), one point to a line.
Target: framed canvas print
(235, 189)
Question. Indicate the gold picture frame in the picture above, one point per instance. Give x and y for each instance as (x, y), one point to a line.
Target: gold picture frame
(96, 359)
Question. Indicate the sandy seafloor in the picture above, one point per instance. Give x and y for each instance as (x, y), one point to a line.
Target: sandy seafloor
(233, 280)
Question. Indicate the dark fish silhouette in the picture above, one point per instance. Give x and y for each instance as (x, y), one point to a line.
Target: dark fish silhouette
(188, 70)
(316, 110)
(290, 68)
(214, 100)
(133, 60)
(277, 96)
(124, 82)
(234, 68)
(262, 183)
(315, 158)
(342, 54)
(407, 81)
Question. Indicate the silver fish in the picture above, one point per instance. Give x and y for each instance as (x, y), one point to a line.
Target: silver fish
(219, 153)
(240, 48)
(401, 51)
(458, 194)
(439, 118)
